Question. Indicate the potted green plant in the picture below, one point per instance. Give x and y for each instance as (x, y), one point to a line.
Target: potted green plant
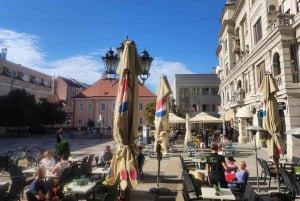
(63, 148)
(217, 190)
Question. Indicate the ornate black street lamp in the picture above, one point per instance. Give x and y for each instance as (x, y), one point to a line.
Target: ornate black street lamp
(111, 61)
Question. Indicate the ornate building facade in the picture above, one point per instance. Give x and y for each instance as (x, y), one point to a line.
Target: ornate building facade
(258, 37)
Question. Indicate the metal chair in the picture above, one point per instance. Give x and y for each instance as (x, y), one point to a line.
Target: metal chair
(88, 168)
(289, 186)
(269, 171)
(16, 188)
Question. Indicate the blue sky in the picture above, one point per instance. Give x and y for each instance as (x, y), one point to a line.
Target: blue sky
(68, 37)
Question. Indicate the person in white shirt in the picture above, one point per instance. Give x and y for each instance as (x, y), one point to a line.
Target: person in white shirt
(48, 161)
(58, 169)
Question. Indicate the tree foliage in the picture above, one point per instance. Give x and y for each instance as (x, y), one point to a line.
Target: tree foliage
(150, 112)
(19, 109)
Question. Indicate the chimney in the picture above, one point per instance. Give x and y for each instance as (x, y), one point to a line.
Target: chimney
(3, 54)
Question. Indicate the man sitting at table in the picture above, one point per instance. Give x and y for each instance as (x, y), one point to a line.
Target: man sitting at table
(106, 156)
(58, 169)
(48, 161)
(38, 188)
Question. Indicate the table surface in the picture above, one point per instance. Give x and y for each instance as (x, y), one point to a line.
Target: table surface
(100, 171)
(2, 183)
(76, 158)
(209, 193)
(73, 188)
(202, 171)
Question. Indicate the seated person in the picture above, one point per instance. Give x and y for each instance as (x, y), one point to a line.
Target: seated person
(48, 161)
(241, 176)
(38, 189)
(230, 174)
(58, 169)
(106, 156)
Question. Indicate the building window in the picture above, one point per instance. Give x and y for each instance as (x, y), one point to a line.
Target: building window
(276, 64)
(183, 95)
(260, 71)
(140, 106)
(257, 30)
(205, 108)
(214, 108)
(80, 107)
(89, 107)
(113, 106)
(140, 120)
(214, 91)
(102, 106)
(205, 91)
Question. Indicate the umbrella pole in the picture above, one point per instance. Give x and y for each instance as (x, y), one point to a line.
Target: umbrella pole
(276, 163)
(255, 148)
(158, 157)
(158, 170)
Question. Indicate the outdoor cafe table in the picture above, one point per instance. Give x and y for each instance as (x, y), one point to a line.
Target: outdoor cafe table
(201, 163)
(85, 190)
(209, 193)
(284, 163)
(76, 158)
(100, 171)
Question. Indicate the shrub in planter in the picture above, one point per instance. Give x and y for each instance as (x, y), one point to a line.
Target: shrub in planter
(63, 148)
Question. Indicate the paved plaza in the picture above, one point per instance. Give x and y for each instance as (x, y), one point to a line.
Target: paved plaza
(169, 185)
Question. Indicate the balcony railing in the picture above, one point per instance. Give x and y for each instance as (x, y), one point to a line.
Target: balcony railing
(281, 21)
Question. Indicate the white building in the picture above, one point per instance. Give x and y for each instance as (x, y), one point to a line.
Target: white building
(259, 36)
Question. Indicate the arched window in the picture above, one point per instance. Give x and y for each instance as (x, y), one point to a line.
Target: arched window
(276, 64)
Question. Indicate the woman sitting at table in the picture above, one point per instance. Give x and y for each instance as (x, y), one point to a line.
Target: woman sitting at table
(48, 161)
(241, 176)
(58, 169)
(230, 174)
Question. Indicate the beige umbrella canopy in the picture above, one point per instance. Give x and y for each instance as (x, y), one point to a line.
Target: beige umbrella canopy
(271, 119)
(123, 168)
(203, 117)
(161, 114)
(174, 119)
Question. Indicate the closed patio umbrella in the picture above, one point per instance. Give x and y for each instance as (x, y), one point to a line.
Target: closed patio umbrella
(123, 168)
(271, 119)
(161, 114)
(161, 120)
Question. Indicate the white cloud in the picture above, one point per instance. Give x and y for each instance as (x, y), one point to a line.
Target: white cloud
(161, 67)
(22, 48)
(25, 49)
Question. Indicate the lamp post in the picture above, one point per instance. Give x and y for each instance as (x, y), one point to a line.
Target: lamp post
(254, 130)
(111, 61)
(172, 104)
(137, 68)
